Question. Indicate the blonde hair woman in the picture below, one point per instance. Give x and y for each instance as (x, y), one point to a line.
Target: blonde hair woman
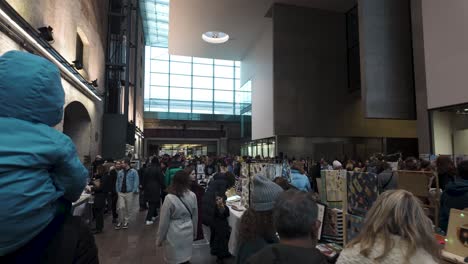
(396, 230)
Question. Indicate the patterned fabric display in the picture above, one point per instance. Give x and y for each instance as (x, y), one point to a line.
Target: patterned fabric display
(245, 193)
(333, 226)
(362, 192)
(333, 187)
(353, 226)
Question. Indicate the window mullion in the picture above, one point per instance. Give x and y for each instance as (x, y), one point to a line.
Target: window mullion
(191, 88)
(169, 85)
(213, 101)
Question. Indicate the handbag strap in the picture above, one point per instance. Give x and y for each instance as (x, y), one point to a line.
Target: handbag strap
(186, 207)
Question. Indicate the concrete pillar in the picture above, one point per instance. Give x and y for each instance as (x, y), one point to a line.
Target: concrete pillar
(386, 59)
(423, 123)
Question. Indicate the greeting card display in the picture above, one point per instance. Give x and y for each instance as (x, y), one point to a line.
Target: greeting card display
(362, 192)
(354, 224)
(457, 233)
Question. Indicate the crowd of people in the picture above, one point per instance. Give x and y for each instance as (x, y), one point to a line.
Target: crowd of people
(41, 175)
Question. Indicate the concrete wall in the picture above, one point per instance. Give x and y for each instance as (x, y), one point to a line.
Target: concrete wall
(258, 67)
(460, 139)
(68, 18)
(386, 59)
(442, 133)
(311, 97)
(423, 124)
(446, 51)
(329, 148)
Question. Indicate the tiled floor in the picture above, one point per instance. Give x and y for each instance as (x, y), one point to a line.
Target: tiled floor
(137, 245)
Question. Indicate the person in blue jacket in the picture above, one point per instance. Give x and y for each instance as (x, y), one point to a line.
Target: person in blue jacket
(127, 188)
(298, 177)
(40, 172)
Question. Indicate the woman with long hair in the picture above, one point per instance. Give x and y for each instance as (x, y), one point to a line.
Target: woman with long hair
(199, 192)
(256, 229)
(446, 171)
(396, 230)
(178, 220)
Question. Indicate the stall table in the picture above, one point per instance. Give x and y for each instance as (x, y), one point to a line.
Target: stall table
(450, 258)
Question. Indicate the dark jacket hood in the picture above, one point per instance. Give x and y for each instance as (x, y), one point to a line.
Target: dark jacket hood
(458, 187)
(30, 88)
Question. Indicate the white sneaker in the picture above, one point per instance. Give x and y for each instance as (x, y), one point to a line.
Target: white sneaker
(153, 218)
(149, 222)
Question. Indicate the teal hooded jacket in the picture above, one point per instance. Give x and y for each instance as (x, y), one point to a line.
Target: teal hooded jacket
(38, 164)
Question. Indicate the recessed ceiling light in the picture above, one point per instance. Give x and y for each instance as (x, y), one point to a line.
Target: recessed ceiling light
(215, 37)
(466, 110)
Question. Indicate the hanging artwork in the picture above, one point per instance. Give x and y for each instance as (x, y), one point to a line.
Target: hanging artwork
(362, 192)
(353, 226)
(245, 169)
(332, 230)
(245, 191)
(335, 182)
(457, 233)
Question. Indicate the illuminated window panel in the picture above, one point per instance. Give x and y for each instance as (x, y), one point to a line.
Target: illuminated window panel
(203, 70)
(224, 84)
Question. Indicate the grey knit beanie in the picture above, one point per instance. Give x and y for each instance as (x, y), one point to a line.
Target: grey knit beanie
(264, 194)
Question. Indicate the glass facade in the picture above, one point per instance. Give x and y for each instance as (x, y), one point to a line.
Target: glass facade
(265, 148)
(155, 16)
(180, 84)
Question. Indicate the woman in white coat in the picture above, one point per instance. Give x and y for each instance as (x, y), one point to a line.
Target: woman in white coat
(178, 220)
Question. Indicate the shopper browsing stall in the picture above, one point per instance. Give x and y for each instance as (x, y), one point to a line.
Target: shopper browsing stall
(396, 230)
(178, 220)
(295, 219)
(256, 229)
(216, 213)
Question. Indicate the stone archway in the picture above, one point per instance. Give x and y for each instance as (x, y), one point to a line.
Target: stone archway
(77, 125)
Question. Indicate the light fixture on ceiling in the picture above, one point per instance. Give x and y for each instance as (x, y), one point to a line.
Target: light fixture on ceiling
(215, 37)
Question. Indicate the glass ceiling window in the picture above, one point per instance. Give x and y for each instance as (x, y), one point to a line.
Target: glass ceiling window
(155, 15)
(181, 84)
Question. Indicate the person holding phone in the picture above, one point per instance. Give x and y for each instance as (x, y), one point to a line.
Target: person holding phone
(216, 213)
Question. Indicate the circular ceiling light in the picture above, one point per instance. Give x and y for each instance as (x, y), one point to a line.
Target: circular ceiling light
(215, 37)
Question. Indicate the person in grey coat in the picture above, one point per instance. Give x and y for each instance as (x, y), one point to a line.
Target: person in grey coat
(178, 220)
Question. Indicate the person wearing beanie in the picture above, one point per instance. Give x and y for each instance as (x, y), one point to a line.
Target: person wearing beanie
(41, 173)
(256, 229)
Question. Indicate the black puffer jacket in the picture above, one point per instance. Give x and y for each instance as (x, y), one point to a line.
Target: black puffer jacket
(101, 192)
(455, 196)
(217, 187)
(153, 183)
